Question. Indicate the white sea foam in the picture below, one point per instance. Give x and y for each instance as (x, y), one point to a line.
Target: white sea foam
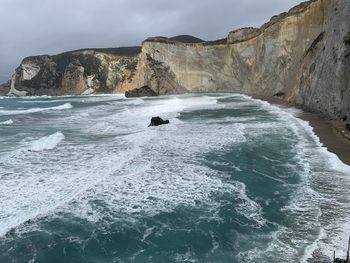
(35, 97)
(324, 169)
(333, 159)
(150, 187)
(291, 114)
(137, 101)
(62, 107)
(47, 142)
(34, 110)
(158, 183)
(8, 122)
(102, 128)
(53, 179)
(51, 183)
(172, 105)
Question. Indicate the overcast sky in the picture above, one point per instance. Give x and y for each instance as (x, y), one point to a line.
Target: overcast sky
(34, 27)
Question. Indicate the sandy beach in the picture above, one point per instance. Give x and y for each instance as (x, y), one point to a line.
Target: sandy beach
(330, 134)
(330, 131)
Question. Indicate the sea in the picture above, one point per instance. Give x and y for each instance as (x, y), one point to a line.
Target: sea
(229, 179)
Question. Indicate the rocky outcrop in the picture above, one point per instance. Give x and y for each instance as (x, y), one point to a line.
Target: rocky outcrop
(301, 56)
(13, 91)
(144, 91)
(242, 34)
(157, 121)
(4, 88)
(77, 72)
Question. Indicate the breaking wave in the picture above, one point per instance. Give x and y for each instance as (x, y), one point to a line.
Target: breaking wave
(8, 122)
(34, 110)
(47, 143)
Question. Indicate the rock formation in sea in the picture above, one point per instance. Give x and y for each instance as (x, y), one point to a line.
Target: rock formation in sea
(144, 91)
(302, 56)
(157, 121)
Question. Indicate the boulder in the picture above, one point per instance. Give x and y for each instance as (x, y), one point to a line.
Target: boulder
(156, 121)
(144, 91)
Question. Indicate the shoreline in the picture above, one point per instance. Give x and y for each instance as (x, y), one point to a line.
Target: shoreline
(328, 130)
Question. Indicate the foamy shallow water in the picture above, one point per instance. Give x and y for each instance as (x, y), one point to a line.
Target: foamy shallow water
(230, 179)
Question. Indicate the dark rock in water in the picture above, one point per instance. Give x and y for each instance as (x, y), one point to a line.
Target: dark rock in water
(156, 121)
(144, 91)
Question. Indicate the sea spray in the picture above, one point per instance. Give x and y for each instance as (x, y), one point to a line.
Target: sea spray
(35, 110)
(8, 122)
(47, 142)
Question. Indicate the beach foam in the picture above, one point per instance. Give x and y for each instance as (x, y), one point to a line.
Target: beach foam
(47, 143)
(323, 168)
(8, 122)
(34, 110)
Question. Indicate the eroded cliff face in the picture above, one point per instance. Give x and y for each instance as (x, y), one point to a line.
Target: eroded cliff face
(77, 72)
(264, 61)
(302, 56)
(324, 83)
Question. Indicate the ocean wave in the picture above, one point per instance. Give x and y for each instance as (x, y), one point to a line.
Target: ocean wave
(321, 171)
(8, 122)
(154, 170)
(167, 107)
(47, 143)
(291, 115)
(102, 128)
(333, 159)
(55, 179)
(137, 101)
(34, 110)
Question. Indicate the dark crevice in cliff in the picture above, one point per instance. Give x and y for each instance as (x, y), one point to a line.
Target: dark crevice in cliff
(314, 44)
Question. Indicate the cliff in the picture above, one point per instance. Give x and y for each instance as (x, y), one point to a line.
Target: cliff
(77, 72)
(301, 56)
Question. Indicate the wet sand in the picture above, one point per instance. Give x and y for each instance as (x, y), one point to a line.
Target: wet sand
(331, 132)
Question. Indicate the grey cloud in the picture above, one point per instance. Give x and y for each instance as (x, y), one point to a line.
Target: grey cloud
(48, 27)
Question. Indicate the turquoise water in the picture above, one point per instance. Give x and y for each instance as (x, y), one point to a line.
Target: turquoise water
(230, 179)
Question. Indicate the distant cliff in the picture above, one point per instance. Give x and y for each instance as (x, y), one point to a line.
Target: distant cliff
(302, 56)
(77, 72)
